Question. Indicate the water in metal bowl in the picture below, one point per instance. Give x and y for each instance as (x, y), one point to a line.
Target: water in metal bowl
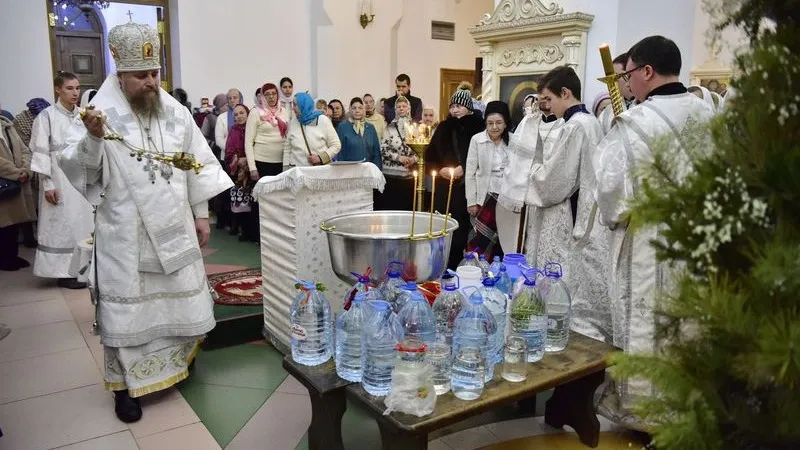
(377, 238)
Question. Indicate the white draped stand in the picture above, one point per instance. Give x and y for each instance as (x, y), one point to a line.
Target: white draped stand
(291, 207)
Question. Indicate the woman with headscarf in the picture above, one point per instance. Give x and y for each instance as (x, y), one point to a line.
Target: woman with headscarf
(236, 163)
(286, 93)
(398, 162)
(312, 140)
(358, 137)
(448, 150)
(267, 126)
(487, 161)
(601, 102)
(23, 123)
(221, 127)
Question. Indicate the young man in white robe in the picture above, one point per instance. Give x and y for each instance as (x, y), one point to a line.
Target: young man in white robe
(607, 116)
(65, 217)
(665, 108)
(567, 175)
(153, 299)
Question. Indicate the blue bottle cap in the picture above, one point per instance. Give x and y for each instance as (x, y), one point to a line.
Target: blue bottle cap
(489, 281)
(496, 258)
(553, 270)
(410, 286)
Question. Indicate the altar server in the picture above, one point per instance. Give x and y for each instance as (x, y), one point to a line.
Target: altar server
(154, 304)
(665, 109)
(65, 217)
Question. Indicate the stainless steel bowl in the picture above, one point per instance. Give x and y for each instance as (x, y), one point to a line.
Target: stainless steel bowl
(377, 238)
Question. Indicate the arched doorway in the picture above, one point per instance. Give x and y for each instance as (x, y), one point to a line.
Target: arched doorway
(79, 45)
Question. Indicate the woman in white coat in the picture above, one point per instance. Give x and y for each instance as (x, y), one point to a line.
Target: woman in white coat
(487, 160)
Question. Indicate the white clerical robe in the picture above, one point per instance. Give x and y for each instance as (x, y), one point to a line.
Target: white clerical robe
(154, 303)
(636, 276)
(64, 225)
(531, 133)
(587, 262)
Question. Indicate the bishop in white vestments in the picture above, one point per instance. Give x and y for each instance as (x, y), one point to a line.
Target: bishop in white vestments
(154, 303)
(65, 217)
(665, 109)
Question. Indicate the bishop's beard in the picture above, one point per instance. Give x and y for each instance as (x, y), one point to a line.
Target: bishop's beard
(146, 103)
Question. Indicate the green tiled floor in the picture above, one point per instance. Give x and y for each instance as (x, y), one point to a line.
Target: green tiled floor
(229, 385)
(229, 251)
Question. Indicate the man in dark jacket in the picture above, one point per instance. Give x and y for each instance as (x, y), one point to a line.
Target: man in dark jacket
(403, 85)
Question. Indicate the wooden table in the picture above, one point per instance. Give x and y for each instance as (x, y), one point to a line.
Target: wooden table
(328, 402)
(575, 373)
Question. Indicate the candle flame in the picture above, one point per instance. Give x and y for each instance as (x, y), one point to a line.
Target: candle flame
(433, 173)
(415, 174)
(452, 172)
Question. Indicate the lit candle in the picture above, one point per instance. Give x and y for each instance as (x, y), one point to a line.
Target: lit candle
(433, 197)
(449, 194)
(414, 208)
(605, 56)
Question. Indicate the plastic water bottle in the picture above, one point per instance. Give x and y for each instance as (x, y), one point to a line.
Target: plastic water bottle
(446, 308)
(382, 332)
(559, 308)
(484, 264)
(310, 317)
(360, 287)
(416, 315)
(494, 267)
(470, 259)
(504, 281)
(349, 327)
(471, 347)
(393, 285)
(497, 303)
(528, 316)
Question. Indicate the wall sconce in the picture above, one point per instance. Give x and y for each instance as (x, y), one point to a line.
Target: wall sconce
(367, 13)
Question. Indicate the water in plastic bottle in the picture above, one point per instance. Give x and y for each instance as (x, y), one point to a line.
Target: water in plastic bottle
(494, 267)
(484, 264)
(349, 327)
(528, 316)
(471, 348)
(311, 333)
(446, 307)
(360, 287)
(497, 303)
(381, 334)
(504, 281)
(416, 315)
(393, 285)
(470, 259)
(559, 308)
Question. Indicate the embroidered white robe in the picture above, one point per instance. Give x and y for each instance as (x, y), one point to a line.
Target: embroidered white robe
(636, 276)
(61, 226)
(154, 302)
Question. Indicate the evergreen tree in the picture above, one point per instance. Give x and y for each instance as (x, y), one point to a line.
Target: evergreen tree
(728, 372)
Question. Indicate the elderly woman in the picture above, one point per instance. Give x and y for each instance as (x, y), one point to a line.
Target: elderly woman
(358, 137)
(487, 160)
(448, 149)
(16, 196)
(398, 162)
(267, 128)
(236, 162)
(222, 127)
(312, 140)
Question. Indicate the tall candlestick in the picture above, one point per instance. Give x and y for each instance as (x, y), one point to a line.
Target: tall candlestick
(608, 62)
(414, 208)
(433, 197)
(449, 194)
(617, 102)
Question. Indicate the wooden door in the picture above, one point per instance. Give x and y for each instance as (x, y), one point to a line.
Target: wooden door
(450, 79)
(82, 54)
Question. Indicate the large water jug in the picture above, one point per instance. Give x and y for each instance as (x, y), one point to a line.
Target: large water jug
(471, 259)
(392, 286)
(311, 333)
(360, 287)
(446, 307)
(513, 262)
(349, 328)
(471, 348)
(528, 316)
(416, 315)
(469, 277)
(381, 334)
(559, 308)
(497, 303)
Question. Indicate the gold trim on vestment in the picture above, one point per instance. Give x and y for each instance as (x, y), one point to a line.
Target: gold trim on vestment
(161, 385)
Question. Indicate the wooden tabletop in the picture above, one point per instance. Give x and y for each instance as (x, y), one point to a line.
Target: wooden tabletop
(321, 378)
(583, 356)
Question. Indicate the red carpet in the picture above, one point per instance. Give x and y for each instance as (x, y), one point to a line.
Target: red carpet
(240, 287)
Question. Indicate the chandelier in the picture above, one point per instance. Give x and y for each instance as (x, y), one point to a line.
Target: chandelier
(67, 14)
(83, 5)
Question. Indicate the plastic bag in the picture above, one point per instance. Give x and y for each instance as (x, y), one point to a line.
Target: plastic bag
(412, 390)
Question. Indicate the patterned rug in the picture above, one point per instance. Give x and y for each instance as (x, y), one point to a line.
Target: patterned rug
(240, 287)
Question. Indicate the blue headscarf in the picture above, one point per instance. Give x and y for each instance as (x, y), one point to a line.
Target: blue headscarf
(308, 111)
(231, 123)
(37, 105)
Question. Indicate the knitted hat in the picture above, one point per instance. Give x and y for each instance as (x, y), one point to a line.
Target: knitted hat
(463, 98)
(135, 47)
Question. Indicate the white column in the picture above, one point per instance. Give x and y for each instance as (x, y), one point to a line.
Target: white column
(487, 88)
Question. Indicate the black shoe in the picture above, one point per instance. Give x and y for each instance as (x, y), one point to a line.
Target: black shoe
(128, 409)
(22, 263)
(70, 283)
(30, 244)
(10, 266)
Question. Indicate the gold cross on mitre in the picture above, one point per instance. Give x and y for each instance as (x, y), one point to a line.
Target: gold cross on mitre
(130, 15)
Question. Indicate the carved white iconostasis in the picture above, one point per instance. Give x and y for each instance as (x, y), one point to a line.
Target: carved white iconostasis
(524, 39)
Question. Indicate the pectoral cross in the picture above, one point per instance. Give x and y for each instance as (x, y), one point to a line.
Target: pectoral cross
(150, 167)
(130, 15)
